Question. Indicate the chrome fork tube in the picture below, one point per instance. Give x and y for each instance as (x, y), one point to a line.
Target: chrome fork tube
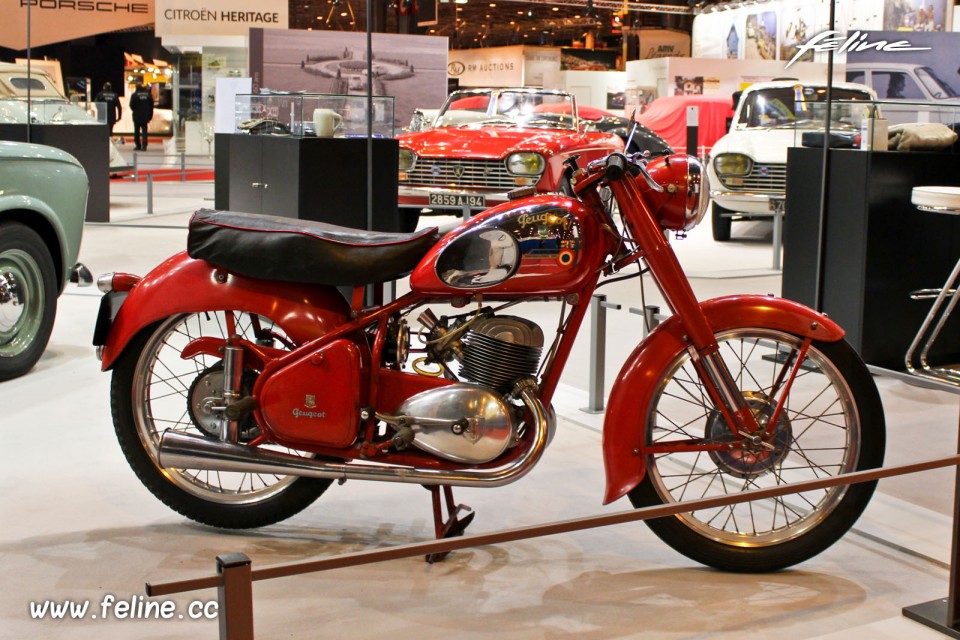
(722, 381)
(232, 381)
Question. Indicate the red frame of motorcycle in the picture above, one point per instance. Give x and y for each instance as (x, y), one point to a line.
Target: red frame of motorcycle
(315, 316)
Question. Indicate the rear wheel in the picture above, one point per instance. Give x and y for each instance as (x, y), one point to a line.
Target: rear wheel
(832, 423)
(154, 389)
(28, 298)
(720, 217)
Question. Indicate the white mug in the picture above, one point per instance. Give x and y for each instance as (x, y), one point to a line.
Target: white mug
(326, 121)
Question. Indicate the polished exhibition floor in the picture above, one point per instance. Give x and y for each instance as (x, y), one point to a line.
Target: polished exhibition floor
(79, 528)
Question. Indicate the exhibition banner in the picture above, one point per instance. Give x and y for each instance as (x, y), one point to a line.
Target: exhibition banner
(219, 17)
(60, 20)
(488, 67)
(662, 43)
(412, 69)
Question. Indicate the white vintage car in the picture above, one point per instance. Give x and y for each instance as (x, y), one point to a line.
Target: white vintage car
(748, 166)
(902, 85)
(47, 105)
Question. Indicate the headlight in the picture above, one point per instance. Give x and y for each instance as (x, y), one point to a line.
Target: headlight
(526, 163)
(407, 159)
(732, 164)
(698, 194)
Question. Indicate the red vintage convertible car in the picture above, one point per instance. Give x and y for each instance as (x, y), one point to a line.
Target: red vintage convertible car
(485, 143)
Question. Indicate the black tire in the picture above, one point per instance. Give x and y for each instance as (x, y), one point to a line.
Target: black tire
(28, 298)
(833, 423)
(151, 391)
(720, 217)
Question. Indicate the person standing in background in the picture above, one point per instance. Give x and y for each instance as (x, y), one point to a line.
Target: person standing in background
(114, 110)
(141, 106)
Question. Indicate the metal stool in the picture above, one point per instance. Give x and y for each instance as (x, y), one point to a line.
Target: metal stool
(939, 200)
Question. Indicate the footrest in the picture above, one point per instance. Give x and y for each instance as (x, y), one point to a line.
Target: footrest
(929, 294)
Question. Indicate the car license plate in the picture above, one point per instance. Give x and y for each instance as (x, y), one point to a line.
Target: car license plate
(776, 204)
(457, 200)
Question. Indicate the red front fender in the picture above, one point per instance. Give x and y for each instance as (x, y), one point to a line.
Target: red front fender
(624, 453)
(184, 285)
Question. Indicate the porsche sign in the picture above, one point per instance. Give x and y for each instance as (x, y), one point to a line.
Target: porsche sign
(59, 20)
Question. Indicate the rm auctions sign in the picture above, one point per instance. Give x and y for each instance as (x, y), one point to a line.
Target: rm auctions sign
(219, 17)
(59, 20)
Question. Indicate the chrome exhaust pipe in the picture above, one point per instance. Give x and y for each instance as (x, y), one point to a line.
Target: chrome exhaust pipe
(182, 451)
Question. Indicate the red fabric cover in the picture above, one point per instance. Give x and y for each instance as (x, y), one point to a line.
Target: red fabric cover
(587, 113)
(668, 117)
(472, 102)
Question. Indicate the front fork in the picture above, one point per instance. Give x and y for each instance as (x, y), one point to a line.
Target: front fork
(232, 393)
(679, 296)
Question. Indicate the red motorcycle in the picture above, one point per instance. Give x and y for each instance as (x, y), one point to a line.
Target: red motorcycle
(244, 382)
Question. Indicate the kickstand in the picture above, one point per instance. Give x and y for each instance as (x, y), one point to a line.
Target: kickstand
(452, 526)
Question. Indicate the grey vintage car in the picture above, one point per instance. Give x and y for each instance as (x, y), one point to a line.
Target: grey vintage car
(43, 199)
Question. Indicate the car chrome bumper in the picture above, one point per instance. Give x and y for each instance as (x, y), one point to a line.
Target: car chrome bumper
(747, 201)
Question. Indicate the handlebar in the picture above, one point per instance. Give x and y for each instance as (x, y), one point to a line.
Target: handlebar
(616, 165)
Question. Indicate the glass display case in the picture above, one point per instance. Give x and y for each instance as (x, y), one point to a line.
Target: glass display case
(49, 111)
(882, 125)
(312, 115)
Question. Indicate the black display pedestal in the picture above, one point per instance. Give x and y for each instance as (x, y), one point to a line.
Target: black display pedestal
(88, 143)
(322, 179)
(878, 246)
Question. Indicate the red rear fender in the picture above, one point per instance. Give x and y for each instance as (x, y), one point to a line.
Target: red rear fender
(184, 285)
(624, 448)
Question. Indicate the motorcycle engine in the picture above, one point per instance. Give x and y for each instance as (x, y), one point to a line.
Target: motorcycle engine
(493, 353)
(499, 350)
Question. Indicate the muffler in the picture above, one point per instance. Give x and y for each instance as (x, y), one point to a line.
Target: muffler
(183, 451)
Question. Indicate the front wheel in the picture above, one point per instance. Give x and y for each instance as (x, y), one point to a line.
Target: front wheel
(154, 389)
(831, 423)
(721, 220)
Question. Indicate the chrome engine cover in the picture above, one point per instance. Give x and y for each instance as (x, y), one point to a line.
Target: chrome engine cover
(492, 426)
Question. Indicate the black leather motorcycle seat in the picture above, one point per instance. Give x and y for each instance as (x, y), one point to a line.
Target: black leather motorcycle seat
(292, 250)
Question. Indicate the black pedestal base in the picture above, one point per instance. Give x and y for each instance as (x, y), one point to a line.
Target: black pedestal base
(932, 614)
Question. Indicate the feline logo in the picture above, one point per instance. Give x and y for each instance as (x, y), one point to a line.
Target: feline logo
(827, 40)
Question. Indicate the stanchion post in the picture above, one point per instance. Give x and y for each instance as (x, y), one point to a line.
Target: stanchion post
(598, 351)
(183, 166)
(235, 597)
(136, 167)
(778, 234)
(651, 317)
(943, 614)
(693, 128)
(149, 193)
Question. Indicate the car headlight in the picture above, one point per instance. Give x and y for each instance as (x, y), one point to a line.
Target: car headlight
(732, 164)
(526, 163)
(407, 159)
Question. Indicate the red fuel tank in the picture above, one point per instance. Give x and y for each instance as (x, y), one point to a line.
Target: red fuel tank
(546, 245)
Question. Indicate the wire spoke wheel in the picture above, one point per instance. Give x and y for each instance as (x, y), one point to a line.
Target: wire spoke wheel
(168, 392)
(830, 422)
